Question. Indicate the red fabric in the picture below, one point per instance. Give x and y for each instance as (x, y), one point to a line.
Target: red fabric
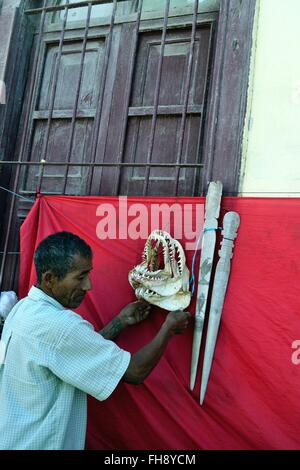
(252, 400)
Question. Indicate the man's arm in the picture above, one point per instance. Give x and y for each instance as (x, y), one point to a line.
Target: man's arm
(133, 313)
(112, 329)
(144, 360)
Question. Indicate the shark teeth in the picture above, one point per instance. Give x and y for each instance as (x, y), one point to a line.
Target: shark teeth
(165, 286)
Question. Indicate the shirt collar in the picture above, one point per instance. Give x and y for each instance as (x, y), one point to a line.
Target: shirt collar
(37, 294)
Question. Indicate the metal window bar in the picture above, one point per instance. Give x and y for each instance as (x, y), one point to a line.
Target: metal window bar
(186, 95)
(156, 96)
(104, 164)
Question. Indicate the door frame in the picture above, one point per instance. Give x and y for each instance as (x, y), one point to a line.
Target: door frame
(228, 95)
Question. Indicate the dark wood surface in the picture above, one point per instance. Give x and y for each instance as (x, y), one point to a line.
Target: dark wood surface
(228, 98)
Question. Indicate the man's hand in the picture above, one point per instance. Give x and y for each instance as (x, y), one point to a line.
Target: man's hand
(177, 322)
(145, 359)
(135, 312)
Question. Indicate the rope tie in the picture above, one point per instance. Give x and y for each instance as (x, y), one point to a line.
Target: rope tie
(16, 194)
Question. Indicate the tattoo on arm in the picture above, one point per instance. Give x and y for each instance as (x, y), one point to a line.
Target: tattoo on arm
(112, 330)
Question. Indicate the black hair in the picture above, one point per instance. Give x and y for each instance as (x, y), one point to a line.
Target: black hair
(56, 253)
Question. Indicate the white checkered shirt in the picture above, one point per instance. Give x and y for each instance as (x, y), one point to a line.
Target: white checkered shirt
(50, 358)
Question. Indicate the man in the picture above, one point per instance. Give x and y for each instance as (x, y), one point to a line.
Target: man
(51, 358)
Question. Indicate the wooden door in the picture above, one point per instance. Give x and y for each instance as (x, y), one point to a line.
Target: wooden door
(126, 106)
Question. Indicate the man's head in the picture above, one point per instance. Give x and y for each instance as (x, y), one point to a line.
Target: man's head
(63, 262)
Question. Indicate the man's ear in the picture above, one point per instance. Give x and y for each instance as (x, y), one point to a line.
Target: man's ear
(48, 279)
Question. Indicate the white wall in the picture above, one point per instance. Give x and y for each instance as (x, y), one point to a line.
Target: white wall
(271, 150)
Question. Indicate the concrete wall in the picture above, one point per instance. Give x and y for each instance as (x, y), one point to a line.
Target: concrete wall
(7, 18)
(271, 147)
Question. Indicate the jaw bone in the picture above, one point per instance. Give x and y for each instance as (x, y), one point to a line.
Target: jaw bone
(162, 282)
(178, 301)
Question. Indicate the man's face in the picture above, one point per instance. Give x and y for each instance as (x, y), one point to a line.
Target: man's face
(70, 290)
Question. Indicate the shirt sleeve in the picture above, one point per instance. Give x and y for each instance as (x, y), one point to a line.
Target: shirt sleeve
(84, 359)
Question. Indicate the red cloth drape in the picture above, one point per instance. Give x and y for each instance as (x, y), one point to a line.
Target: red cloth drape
(253, 396)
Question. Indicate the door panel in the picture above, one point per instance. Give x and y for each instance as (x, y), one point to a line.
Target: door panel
(174, 68)
(53, 176)
(68, 76)
(161, 180)
(170, 108)
(60, 140)
(127, 108)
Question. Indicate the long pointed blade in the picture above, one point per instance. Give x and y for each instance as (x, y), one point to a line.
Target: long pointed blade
(231, 223)
(212, 211)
